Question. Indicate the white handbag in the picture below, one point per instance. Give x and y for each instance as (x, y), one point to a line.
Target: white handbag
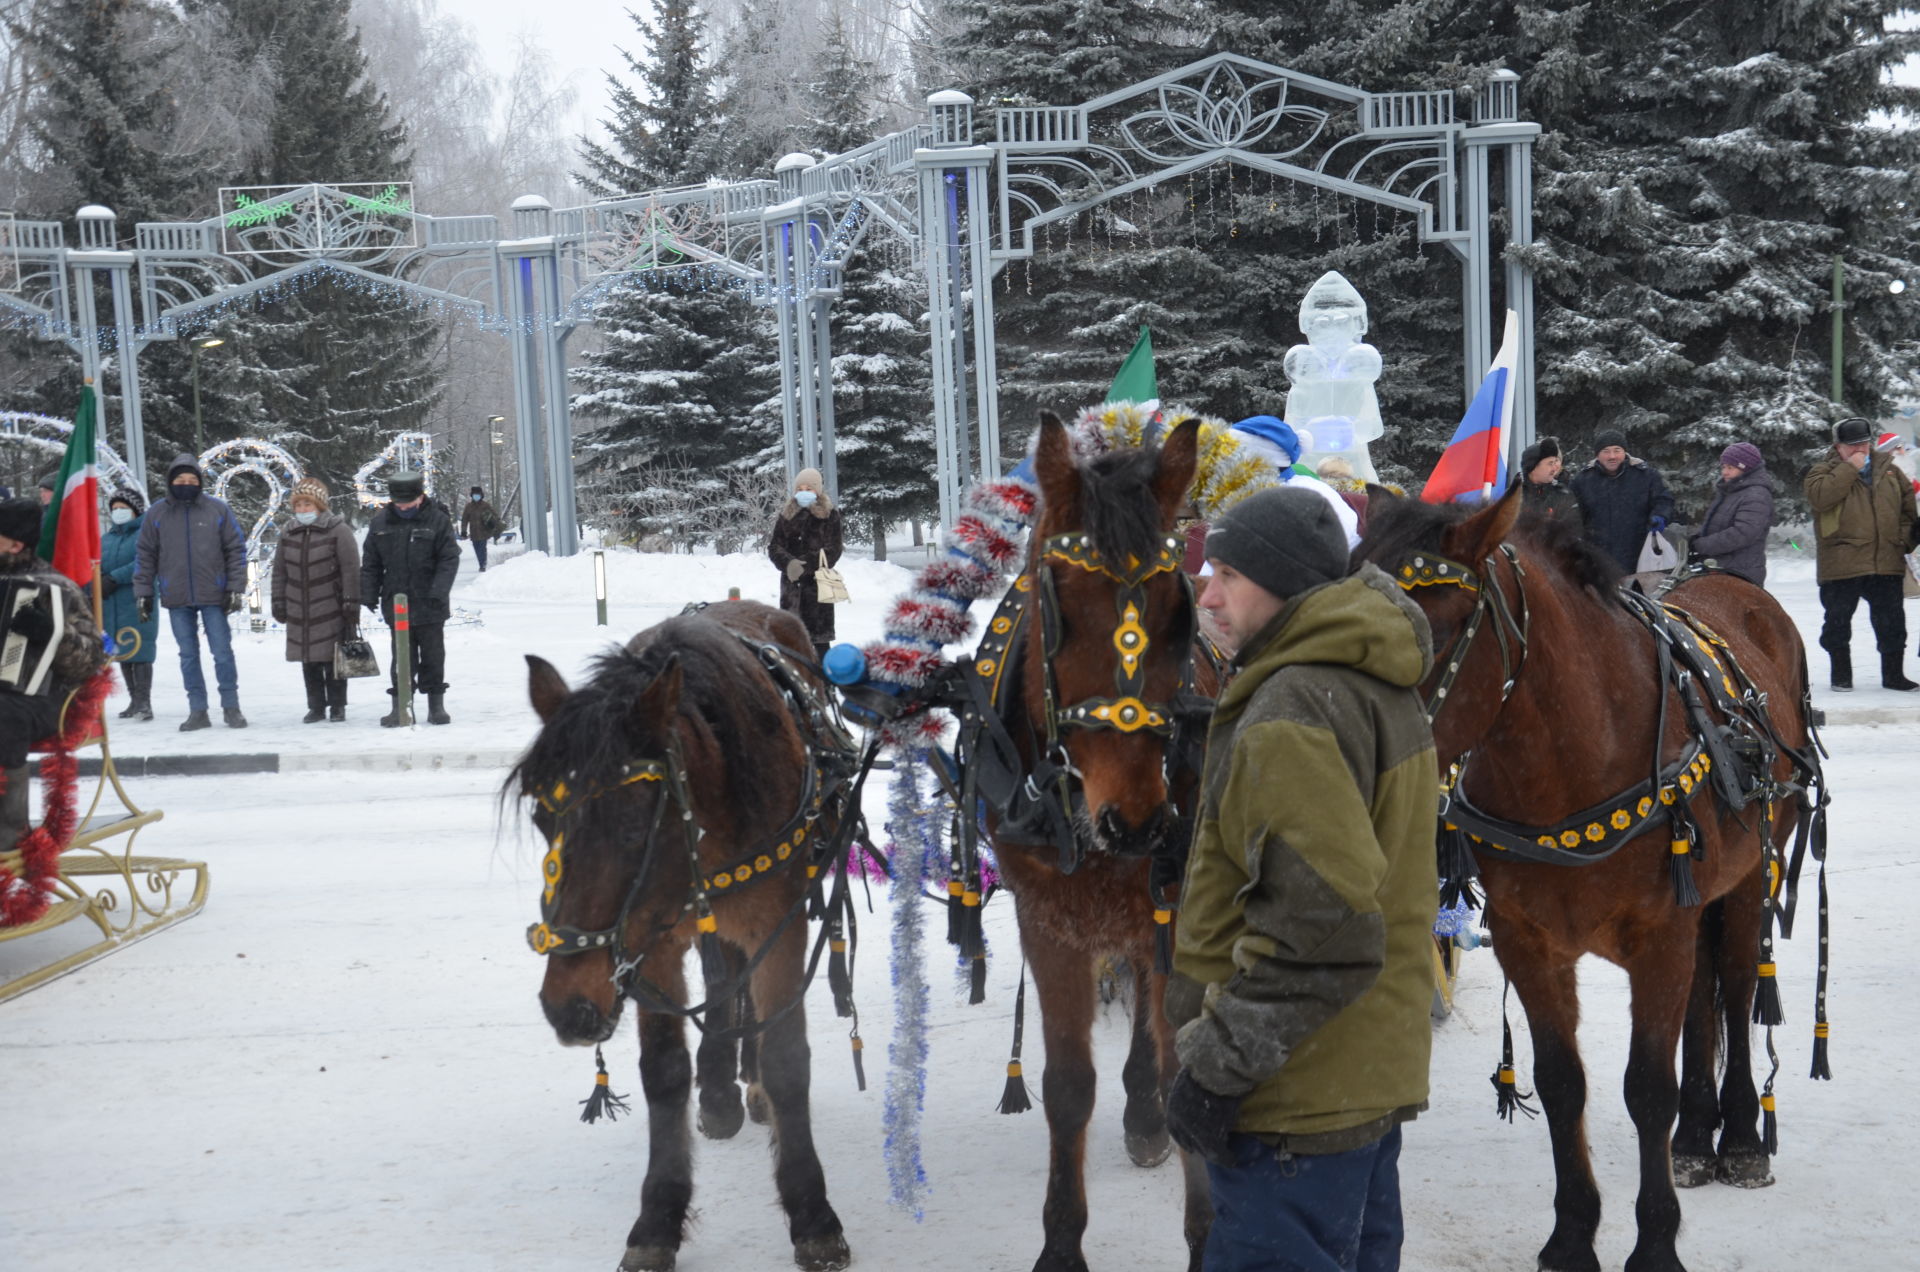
(828, 585)
(1656, 555)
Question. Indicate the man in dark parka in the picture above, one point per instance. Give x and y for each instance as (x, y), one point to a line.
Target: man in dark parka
(410, 547)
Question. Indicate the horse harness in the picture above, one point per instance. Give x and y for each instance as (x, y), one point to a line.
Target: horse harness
(1035, 800)
(834, 774)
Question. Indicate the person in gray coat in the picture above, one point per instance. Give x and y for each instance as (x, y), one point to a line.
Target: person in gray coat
(1734, 531)
(192, 557)
(316, 593)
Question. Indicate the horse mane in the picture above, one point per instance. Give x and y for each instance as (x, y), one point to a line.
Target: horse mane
(1118, 503)
(595, 732)
(1396, 527)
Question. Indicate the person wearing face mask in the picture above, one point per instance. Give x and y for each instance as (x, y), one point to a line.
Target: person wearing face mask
(806, 527)
(192, 557)
(410, 547)
(478, 524)
(118, 609)
(316, 594)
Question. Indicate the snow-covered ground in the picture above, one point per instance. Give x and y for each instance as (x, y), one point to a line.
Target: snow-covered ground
(341, 1064)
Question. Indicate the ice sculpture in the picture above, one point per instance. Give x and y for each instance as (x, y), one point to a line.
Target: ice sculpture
(1332, 406)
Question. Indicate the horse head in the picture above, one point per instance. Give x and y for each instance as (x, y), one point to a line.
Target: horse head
(1117, 622)
(606, 784)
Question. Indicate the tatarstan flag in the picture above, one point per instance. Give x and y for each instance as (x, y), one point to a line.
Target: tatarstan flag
(72, 524)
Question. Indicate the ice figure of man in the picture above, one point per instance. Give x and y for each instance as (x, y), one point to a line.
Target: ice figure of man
(1332, 406)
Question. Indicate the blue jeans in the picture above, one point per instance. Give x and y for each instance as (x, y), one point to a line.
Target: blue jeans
(186, 620)
(1333, 1212)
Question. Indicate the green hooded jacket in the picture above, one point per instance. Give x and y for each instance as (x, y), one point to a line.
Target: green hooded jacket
(1303, 969)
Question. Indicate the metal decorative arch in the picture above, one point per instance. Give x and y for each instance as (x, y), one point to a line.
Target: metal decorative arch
(406, 450)
(50, 434)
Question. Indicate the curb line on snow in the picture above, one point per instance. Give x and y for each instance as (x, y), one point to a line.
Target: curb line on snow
(264, 762)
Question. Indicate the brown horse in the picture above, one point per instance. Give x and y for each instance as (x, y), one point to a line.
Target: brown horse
(1560, 702)
(688, 745)
(1098, 678)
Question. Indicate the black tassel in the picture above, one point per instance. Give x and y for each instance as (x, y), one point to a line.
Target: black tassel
(1508, 1097)
(1820, 1071)
(1015, 1097)
(859, 1070)
(973, 939)
(603, 1102)
(1680, 869)
(955, 915)
(838, 978)
(1163, 942)
(1766, 998)
(977, 981)
(1458, 869)
(1769, 1126)
(713, 960)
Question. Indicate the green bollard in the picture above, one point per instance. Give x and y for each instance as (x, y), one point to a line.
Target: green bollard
(600, 585)
(402, 660)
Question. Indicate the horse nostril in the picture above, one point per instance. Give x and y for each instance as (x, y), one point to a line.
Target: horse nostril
(576, 1020)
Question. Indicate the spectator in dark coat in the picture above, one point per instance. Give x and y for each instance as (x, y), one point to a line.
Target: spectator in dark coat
(1734, 531)
(192, 556)
(1541, 488)
(1621, 500)
(410, 547)
(316, 593)
(118, 609)
(808, 526)
(478, 524)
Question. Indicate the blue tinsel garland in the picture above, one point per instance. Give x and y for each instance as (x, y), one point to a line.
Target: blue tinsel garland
(915, 820)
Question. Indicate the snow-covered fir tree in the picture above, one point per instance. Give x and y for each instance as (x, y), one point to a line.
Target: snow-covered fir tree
(673, 388)
(333, 370)
(882, 380)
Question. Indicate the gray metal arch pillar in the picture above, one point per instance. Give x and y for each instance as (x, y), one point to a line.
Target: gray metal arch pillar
(804, 315)
(953, 185)
(518, 261)
(99, 255)
(1496, 126)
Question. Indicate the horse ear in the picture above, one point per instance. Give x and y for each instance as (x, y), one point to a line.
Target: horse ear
(1376, 491)
(545, 687)
(1054, 469)
(1486, 530)
(660, 700)
(1178, 458)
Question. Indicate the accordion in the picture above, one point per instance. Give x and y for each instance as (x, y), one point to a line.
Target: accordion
(26, 661)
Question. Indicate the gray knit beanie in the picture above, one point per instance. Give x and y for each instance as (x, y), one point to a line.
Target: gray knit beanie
(1285, 539)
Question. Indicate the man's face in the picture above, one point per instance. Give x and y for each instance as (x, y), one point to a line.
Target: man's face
(1545, 471)
(1611, 457)
(410, 504)
(184, 479)
(1239, 605)
(11, 547)
(1855, 453)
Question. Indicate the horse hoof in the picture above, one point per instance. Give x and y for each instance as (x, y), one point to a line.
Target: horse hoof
(1691, 1171)
(1149, 1150)
(758, 1107)
(1050, 1261)
(647, 1259)
(722, 1119)
(1553, 1259)
(827, 1253)
(1744, 1170)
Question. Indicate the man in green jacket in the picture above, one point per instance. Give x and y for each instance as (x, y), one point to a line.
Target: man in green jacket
(1863, 522)
(1303, 971)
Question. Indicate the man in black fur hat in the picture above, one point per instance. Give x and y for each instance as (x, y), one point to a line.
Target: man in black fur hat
(1541, 486)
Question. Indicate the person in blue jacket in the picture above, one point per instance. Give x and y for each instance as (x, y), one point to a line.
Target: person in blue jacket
(119, 611)
(191, 555)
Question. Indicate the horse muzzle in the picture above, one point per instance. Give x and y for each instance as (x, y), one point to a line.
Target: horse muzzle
(1113, 833)
(578, 1022)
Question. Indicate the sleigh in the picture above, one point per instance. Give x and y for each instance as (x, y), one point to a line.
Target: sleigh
(96, 875)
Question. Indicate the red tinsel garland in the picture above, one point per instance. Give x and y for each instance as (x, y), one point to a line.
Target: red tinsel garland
(25, 897)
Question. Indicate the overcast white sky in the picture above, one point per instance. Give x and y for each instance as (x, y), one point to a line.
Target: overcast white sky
(582, 36)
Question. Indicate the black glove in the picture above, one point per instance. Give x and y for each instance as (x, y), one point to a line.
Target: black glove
(234, 601)
(108, 585)
(33, 622)
(1200, 1121)
(373, 607)
(144, 608)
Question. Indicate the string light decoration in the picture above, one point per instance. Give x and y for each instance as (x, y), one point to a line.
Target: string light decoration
(411, 450)
(50, 433)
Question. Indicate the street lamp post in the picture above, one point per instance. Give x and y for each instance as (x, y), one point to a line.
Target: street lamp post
(493, 452)
(199, 443)
(1837, 390)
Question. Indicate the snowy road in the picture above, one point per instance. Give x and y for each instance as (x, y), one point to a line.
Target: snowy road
(341, 1063)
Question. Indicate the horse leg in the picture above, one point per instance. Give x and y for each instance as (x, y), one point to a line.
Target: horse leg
(1659, 981)
(1743, 1154)
(1198, 1218)
(1063, 979)
(1145, 1117)
(716, 1064)
(786, 1064)
(666, 1078)
(1549, 992)
(757, 1108)
(1693, 1156)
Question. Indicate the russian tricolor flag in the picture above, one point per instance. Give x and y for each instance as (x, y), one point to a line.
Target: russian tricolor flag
(1474, 465)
